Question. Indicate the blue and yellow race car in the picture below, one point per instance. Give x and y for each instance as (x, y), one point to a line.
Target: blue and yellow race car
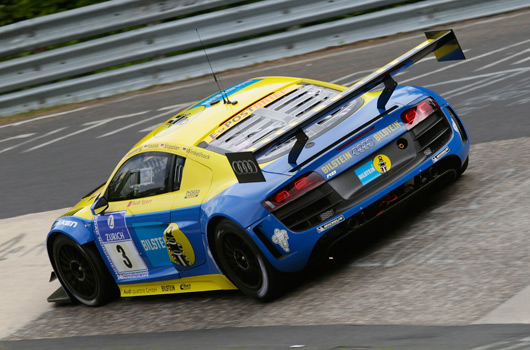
(257, 181)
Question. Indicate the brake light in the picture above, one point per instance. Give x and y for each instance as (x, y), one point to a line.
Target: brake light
(412, 116)
(292, 191)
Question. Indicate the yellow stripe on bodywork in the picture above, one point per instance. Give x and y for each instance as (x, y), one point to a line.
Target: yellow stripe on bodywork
(184, 285)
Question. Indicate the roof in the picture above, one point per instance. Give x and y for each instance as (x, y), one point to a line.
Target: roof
(200, 120)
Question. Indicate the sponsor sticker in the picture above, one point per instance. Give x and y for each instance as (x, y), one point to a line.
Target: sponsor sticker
(382, 163)
(336, 162)
(192, 194)
(185, 286)
(139, 202)
(281, 238)
(389, 130)
(178, 246)
(371, 170)
(440, 155)
(69, 223)
(330, 224)
(115, 239)
(245, 167)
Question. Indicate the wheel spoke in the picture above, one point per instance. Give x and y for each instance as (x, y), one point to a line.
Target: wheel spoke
(241, 260)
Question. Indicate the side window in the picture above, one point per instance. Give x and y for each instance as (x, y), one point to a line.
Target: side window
(179, 168)
(146, 174)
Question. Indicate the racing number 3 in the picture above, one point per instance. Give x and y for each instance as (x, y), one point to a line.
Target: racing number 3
(126, 259)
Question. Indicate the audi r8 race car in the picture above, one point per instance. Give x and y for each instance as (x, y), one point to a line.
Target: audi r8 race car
(257, 181)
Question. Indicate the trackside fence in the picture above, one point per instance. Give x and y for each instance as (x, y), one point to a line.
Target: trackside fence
(126, 45)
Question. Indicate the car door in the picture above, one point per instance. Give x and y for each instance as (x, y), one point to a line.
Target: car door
(184, 236)
(131, 230)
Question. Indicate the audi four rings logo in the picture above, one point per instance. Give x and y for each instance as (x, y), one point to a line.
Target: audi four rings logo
(362, 146)
(244, 167)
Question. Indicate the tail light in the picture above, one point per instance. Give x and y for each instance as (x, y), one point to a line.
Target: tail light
(292, 191)
(412, 116)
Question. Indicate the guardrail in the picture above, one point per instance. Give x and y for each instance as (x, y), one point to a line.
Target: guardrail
(281, 26)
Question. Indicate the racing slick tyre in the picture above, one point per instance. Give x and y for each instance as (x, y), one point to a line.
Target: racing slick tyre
(241, 260)
(82, 272)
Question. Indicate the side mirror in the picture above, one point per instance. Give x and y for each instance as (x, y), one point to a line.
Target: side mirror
(100, 205)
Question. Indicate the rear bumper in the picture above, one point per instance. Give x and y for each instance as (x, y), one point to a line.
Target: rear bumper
(289, 249)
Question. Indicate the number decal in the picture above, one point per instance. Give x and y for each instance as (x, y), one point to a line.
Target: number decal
(126, 260)
(118, 247)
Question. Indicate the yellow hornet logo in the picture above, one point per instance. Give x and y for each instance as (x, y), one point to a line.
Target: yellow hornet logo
(178, 246)
(382, 163)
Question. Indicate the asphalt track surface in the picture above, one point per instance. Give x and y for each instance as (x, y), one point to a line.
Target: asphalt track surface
(450, 259)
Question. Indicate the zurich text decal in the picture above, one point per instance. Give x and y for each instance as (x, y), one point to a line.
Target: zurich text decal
(373, 169)
(115, 239)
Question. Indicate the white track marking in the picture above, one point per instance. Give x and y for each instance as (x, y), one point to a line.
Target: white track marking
(479, 85)
(107, 120)
(43, 117)
(139, 122)
(492, 345)
(523, 60)
(180, 105)
(426, 59)
(503, 60)
(25, 269)
(351, 75)
(33, 139)
(514, 310)
(151, 128)
(466, 61)
(22, 136)
(93, 125)
(490, 20)
(475, 77)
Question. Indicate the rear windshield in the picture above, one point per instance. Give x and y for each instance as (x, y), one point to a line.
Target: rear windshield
(265, 121)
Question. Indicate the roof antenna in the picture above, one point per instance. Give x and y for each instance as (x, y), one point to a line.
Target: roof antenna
(219, 86)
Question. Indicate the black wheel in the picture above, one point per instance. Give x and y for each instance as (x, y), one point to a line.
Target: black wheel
(82, 272)
(243, 263)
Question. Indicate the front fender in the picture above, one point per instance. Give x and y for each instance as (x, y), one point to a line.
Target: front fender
(80, 230)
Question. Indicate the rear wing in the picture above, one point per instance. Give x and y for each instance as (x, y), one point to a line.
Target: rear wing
(442, 43)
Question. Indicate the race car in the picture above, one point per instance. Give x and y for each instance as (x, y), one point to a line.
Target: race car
(257, 181)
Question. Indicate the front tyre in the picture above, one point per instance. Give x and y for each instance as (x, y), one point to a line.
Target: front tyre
(241, 260)
(82, 272)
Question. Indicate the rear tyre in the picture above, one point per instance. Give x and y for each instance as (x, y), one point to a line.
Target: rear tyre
(82, 272)
(243, 263)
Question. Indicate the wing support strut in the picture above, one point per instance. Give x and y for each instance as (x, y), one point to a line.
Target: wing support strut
(301, 140)
(390, 86)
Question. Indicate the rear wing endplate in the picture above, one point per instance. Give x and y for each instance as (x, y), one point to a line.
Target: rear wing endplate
(442, 43)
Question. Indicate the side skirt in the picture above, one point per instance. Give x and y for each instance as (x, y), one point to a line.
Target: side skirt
(183, 285)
